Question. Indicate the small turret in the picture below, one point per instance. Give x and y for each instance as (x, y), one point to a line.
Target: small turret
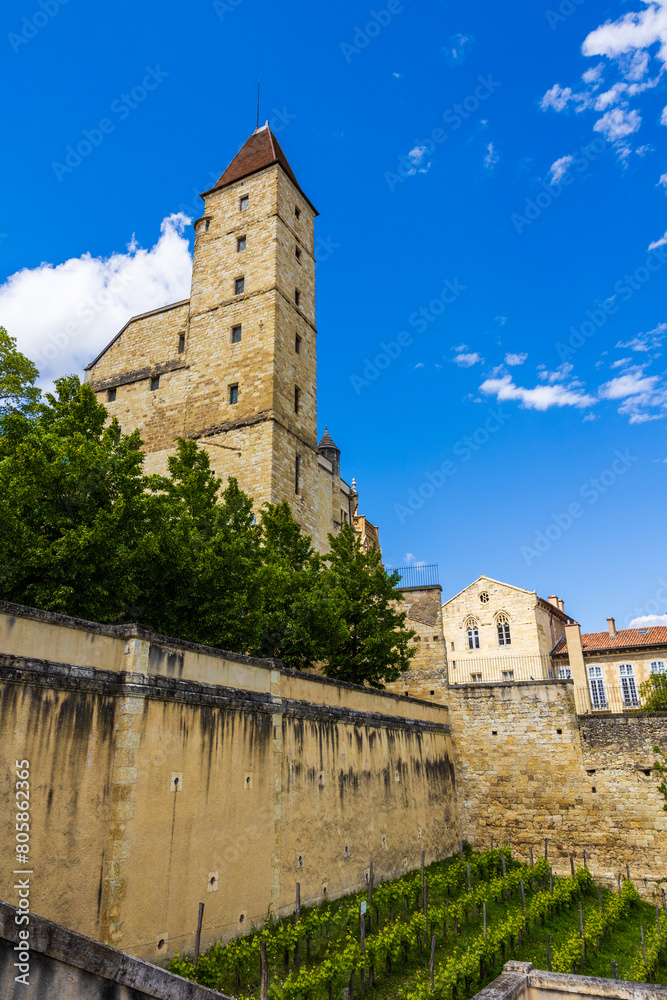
(330, 451)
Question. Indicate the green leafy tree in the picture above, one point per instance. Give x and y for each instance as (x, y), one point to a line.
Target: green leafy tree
(72, 506)
(17, 378)
(202, 557)
(653, 693)
(288, 576)
(366, 641)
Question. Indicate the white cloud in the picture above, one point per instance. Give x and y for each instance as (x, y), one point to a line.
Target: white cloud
(621, 363)
(663, 116)
(593, 74)
(541, 397)
(501, 320)
(646, 342)
(491, 157)
(515, 359)
(662, 180)
(457, 48)
(560, 167)
(559, 97)
(646, 621)
(658, 243)
(617, 123)
(420, 364)
(630, 384)
(467, 360)
(630, 35)
(63, 315)
(417, 155)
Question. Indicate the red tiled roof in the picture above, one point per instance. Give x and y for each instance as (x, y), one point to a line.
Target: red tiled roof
(624, 639)
(261, 150)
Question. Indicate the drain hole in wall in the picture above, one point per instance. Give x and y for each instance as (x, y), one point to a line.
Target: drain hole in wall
(242, 918)
(160, 943)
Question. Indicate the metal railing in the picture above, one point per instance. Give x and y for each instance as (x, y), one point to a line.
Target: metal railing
(418, 576)
(607, 701)
(466, 668)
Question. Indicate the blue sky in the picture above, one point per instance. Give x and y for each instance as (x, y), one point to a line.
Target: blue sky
(501, 168)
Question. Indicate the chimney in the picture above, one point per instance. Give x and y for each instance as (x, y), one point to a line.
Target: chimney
(611, 622)
(553, 600)
(561, 604)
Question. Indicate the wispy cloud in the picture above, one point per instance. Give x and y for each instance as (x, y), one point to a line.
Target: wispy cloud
(559, 168)
(540, 397)
(467, 360)
(457, 48)
(515, 359)
(491, 157)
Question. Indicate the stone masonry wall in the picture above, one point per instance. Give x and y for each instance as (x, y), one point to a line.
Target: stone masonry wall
(528, 766)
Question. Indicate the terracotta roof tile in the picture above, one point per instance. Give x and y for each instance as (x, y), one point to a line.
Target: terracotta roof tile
(261, 150)
(624, 639)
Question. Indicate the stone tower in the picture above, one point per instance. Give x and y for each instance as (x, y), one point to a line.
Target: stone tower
(235, 366)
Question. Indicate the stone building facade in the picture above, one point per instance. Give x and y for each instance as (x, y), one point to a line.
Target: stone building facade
(235, 365)
(495, 631)
(608, 668)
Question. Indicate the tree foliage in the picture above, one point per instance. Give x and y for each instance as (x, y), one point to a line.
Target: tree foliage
(86, 533)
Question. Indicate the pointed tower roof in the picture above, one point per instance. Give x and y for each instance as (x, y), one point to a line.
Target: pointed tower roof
(327, 442)
(261, 150)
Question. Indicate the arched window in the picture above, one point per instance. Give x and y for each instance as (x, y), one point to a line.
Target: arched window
(472, 632)
(503, 626)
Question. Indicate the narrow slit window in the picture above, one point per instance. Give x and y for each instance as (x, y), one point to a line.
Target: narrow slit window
(239, 286)
(207, 225)
(297, 296)
(181, 343)
(111, 395)
(297, 211)
(297, 398)
(236, 334)
(297, 474)
(233, 394)
(155, 383)
(297, 254)
(297, 344)
(240, 244)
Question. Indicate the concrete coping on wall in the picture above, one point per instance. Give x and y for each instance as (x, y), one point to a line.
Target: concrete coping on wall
(520, 981)
(61, 944)
(75, 643)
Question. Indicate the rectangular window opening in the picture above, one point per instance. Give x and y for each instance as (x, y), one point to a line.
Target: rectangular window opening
(181, 343)
(240, 244)
(297, 211)
(207, 225)
(233, 394)
(236, 335)
(239, 286)
(297, 344)
(244, 201)
(111, 395)
(297, 398)
(297, 474)
(155, 383)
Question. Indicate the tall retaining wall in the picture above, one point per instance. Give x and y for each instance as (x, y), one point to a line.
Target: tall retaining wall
(164, 774)
(529, 767)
